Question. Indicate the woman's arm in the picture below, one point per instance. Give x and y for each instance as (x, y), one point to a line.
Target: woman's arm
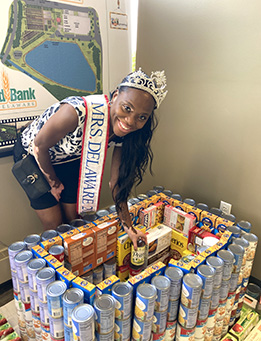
(124, 213)
(65, 120)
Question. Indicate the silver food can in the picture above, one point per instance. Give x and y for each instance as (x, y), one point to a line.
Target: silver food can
(228, 259)
(98, 275)
(207, 274)
(104, 307)
(123, 295)
(13, 250)
(175, 276)
(109, 268)
(44, 277)
(71, 299)
(191, 290)
(33, 267)
(145, 301)
(32, 240)
(162, 284)
(238, 252)
(21, 261)
(218, 264)
(83, 322)
(55, 292)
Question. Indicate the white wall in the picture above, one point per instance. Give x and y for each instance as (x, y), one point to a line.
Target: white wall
(207, 145)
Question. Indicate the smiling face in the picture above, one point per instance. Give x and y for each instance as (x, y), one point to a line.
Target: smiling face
(130, 110)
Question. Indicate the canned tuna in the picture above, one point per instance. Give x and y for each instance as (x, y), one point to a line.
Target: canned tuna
(104, 307)
(55, 292)
(145, 301)
(83, 322)
(122, 293)
(162, 285)
(191, 290)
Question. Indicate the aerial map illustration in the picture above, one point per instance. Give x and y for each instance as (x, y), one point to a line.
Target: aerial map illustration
(56, 44)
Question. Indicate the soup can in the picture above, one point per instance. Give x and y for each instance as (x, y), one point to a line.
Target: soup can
(162, 284)
(21, 261)
(187, 317)
(109, 268)
(55, 292)
(104, 307)
(32, 240)
(33, 267)
(211, 318)
(206, 273)
(245, 244)
(37, 323)
(238, 252)
(224, 289)
(159, 321)
(173, 308)
(56, 328)
(25, 292)
(215, 298)
(105, 337)
(44, 277)
(34, 301)
(122, 293)
(159, 189)
(204, 306)
(170, 330)
(228, 259)
(157, 336)
(44, 316)
(71, 299)
(83, 322)
(122, 329)
(15, 282)
(191, 290)
(68, 333)
(221, 310)
(218, 264)
(57, 251)
(88, 276)
(98, 275)
(233, 281)
(201, 328)
(230, 301)
(251, 250)
(244, 226)
(49, 234)
(175, 276)
(13, 250)
(141, 330)
(236, 231)
(183, 333)
(145, 301)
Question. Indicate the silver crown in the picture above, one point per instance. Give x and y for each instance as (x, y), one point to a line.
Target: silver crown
(155, 84)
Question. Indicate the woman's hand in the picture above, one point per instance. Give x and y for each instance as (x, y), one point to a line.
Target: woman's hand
(56, 189)
(134, 235)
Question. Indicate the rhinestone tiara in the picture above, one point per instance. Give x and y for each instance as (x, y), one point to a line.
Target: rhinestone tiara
(155, 84)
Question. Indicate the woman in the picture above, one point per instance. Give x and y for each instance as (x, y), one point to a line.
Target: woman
(56, 140)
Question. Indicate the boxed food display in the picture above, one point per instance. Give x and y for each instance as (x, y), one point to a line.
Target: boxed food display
(178, 244)
(179, 220)
(39, 252)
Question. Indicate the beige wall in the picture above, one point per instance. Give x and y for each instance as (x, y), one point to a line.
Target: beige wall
(207, 145)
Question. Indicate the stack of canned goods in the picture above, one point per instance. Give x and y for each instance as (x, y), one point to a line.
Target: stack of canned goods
(71, 299)
(218, 264)
(144, 310)
(188, 310)
(207, 273)
(44, 277)
(55, 291)
(13, 250)
(123, 294)
(33, 267)
(162, 285)
(175, 276)
(104, 307)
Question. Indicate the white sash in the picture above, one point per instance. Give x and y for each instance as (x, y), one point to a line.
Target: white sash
(94, 150)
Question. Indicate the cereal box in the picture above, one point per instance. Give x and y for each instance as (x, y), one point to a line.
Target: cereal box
(147, 217)
(106, 286)
(179, 220)
(88, 289)
(123, 249)
(123, 272)
(178, 244)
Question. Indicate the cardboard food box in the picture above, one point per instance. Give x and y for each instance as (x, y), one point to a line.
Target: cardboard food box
(105, 286)
(179, 220)
(178, 244)
(158, 239)
(255, 334)
(73, 249)
(88, 289)
(221, 224)
(162, 256)
(147, 217)
(244, 325)
(196, 236)
(65, 275)
(194, 211)
(53, 262)
(207, 221)
(156, 269)
(46, 244)
(39, 252)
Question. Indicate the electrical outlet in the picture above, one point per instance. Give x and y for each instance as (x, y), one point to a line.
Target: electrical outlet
(225, 207)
